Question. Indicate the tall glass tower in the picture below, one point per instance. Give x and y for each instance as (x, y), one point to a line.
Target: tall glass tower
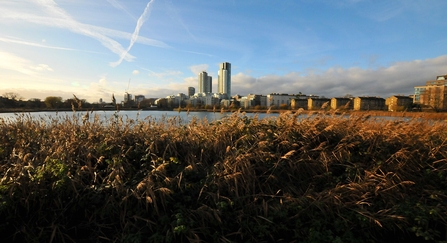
(224, 79)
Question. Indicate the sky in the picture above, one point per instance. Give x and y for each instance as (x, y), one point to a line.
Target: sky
(156, 48)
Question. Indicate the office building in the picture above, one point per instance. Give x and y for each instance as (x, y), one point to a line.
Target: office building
(224, 79)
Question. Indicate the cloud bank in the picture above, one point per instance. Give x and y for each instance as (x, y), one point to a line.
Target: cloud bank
(398, 78)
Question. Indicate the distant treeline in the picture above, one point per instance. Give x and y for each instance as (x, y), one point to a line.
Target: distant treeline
(15, 101)
(11, 102)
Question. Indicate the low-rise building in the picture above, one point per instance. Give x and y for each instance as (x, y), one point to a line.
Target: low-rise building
(342, 103)
(225, 103)
(318, 103)
(399, 103)
(161, 103)
(369, 103)
(299, 103)
(139, 98)
(276, 100)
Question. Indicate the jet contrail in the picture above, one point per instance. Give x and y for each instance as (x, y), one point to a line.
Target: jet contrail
(21, 42)
(135, 34)
(119, 6)
(66, 21)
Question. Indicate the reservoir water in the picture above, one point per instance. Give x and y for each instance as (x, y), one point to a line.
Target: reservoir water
(184, 116)
(157, 115)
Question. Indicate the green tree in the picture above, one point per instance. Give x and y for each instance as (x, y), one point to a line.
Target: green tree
(53, 101)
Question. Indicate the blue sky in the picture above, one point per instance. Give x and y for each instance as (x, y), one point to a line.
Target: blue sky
(94, 49)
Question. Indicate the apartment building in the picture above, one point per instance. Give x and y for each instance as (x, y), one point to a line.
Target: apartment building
(342, 103)
(399, 103)
(276, 100)
(317, 103)
(205, 83)
(369, 103)
(299, 103)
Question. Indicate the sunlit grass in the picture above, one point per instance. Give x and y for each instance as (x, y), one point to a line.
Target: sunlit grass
(318, 178)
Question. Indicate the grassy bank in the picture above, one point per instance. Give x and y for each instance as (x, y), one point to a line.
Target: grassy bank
(318, 179)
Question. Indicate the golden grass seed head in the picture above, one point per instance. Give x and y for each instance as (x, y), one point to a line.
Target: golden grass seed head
(188, 168)
(142, 185)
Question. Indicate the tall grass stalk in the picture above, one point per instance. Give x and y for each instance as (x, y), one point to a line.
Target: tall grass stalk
(291, 178)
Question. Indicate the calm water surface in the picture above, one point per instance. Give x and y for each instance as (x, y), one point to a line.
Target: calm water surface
(141, 115)
(133, 115)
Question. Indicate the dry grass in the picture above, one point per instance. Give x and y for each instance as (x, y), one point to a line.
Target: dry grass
(318, 178)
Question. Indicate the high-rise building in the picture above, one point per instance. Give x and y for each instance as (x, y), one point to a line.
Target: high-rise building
(127, 97)
(191, 91)
(224, 79)
(205, 83)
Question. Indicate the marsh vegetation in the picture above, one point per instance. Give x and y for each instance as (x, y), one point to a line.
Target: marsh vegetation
(320, 178)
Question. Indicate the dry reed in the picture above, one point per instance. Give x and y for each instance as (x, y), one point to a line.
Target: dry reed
(316, 178)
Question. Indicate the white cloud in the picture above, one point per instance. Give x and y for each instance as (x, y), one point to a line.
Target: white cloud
(135, 72)
(103, 82)
(12, 62)
(398, 78)
(197, 69)
(42, 67)
(100, 89)
(164, 74)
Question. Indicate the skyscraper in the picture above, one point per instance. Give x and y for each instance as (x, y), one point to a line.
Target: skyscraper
(224, 79)
(205, 83)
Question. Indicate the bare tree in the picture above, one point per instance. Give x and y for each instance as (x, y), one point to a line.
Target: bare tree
(12, 96)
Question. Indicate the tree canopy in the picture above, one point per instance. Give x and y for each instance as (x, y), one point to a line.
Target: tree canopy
(53, 101)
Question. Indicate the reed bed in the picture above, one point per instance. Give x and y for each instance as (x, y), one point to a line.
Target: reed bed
(291, 178)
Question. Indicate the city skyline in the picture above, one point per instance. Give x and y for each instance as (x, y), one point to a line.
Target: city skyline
(158, 48)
